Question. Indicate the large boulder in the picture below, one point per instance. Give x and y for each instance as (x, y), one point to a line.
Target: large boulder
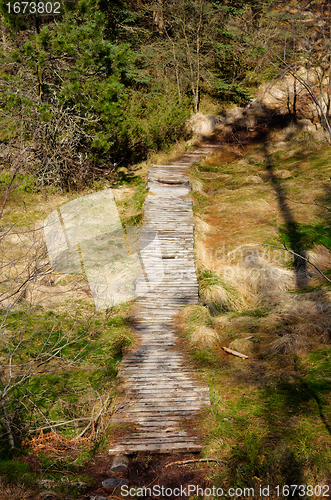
(204, 125)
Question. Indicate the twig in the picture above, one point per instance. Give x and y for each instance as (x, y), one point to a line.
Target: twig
(184, 462)
(234, 353)
(95, 420)
(58, 424)
(300, 256)
(309, 203)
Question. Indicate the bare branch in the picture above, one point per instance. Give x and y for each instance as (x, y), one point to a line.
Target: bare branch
(300, 256)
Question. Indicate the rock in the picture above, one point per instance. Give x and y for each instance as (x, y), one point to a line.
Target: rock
(113, 483)
(259, 111)
(201, 124)
(247, 121)
(79, 485)
(307, 125)
(100, 498)
(283, 174)
(273, 96)
(234, 115)
(48, 495)
(320, 134)
(226, 129)
(120, 463)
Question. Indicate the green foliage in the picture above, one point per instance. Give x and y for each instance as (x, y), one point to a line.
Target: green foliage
(244, 461)
(22, 183)
(101, 84)
(231, 92)
(311, 235)
(67, 361)
(256, 312)
(208, 278)
(153, 121)
(12, 471)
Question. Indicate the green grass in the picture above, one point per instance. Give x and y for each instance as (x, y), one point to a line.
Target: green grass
(270, 414)
(22, 182)
(311, 235)
(67, 387)
(269, 431)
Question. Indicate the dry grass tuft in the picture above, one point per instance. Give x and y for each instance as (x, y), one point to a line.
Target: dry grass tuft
(290, 344)
(308, 316)
(245, 346)
(197, 314)
(321, 257)
(197, 323)
(221, 296)
(245, 278)
(202, 227)
(197, 185)
(256, 179)
(283, 174)
(203, 337)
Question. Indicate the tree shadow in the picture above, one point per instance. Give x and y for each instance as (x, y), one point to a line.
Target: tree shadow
(266, 121)
(292, 231)
(289, 392)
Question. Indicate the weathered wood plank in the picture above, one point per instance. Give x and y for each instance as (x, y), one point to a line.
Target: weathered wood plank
(156, 448)
(161, 387)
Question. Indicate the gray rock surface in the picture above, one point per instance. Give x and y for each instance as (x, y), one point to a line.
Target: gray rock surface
(120, 463)
(113, 483)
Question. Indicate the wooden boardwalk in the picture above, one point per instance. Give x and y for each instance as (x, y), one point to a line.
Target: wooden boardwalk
(161, 391)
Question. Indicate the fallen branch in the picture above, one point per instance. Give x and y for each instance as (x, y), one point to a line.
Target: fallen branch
(184, 462)
(94, 421)
(51, 425)
(234, 353)
(309, 203)
(301, 257)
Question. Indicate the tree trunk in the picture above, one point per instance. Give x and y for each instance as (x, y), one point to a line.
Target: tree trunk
(158, 17)
(7, 426)
(4, 40)
(197, 89)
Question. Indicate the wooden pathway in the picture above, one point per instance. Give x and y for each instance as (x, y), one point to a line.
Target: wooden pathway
(161, 391)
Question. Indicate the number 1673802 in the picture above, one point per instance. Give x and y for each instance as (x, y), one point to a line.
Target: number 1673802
(33, 7)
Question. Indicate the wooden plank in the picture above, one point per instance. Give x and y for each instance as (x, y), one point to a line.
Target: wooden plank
(149, 415)
(168, 400)
(166, 390)
(160, 448)
(159, 434)
(131, 440)
(155, 374)
(139, 407)
(161, 389)
(152, 420)
(152, 381)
